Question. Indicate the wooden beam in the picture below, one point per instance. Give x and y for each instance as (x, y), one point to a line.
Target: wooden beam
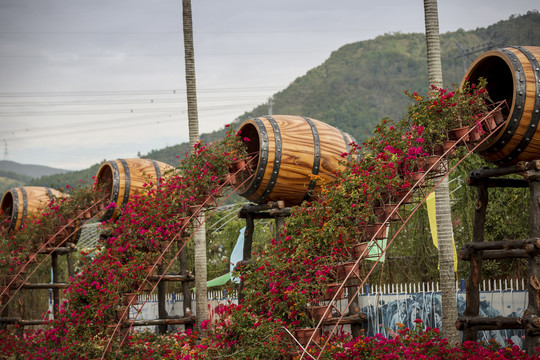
(499, 183)
(45, 286)
(488, 323)
(353, 319)
(172, 277)
(485, 172)
(180, 321)
(502, 244)
(469, 254)
(280, 212)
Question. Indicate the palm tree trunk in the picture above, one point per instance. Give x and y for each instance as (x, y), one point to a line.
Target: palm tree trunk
(199, 237)
(447, 277)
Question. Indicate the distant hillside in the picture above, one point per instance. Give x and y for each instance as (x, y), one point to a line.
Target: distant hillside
(32, 171)
(363, 82)
(7, 183)
(72, 178)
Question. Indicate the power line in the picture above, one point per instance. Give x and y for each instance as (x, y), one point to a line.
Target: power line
(153, 100)
(136, 92)
(117, 111)
(94, 129)
(213, 54)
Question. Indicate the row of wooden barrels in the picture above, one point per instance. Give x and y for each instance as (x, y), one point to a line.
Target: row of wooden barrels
(290, 150)
(285, 158)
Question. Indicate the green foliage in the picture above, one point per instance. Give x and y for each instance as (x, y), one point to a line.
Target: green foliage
(14, 176)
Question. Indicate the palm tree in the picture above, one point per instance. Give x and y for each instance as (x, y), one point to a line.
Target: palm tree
(442, 195)
(199, 237)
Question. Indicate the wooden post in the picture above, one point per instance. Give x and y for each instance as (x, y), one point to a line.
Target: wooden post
(280, 223)
(532, 340)
(162, 312)
(56, 291)
(5, 312)
(248, 242)
(472, 305)
(354, 309)
(70, 268)
(182, 258)
(248, 237)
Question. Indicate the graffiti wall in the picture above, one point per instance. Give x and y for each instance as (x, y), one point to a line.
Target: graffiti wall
(394, 306)
(386, 312)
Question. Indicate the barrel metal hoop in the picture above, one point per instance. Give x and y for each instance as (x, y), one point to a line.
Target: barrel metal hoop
(347, 144)
(15, 209)
(158, 172)
(127, 182)
(49, 193)
(533, 124)
(520, 92)
(116, 189)
(263, 146)
(277, 160)
(316, 159)
(25, 204)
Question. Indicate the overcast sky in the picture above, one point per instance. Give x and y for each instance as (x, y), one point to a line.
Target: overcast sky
(83, 81)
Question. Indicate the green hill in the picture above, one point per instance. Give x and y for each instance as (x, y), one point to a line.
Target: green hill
(363, 82)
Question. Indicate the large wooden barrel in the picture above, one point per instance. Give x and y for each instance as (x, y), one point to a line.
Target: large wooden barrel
(289, 150)
(123, 178)
(513, 74)
(17, 203)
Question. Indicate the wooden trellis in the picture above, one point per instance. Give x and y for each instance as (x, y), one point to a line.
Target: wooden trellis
(479, 250)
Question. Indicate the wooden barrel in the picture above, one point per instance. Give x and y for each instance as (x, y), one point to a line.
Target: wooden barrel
(123, 178)
(17, 203)
(513, 74)
(289, 150)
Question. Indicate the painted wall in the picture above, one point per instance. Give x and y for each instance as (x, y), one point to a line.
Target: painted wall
(389, 305)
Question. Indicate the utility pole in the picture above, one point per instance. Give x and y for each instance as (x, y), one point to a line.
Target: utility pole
(270, 105)
(5, 150)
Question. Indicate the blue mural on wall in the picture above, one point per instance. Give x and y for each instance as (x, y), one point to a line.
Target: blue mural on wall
(394, 310)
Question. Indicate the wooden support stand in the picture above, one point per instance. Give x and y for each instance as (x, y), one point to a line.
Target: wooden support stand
(478, 251)
(269, 210)
(279, 212)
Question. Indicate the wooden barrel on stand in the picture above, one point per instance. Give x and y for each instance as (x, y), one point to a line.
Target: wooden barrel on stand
(122, 178)
(512, 74)
(289, 150)
(18, 202)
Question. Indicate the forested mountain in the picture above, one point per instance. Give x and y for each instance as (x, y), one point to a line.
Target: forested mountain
(363, 82)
